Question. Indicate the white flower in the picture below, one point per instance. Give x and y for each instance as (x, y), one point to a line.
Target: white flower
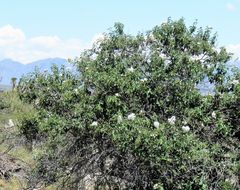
(172, 120)
(10, 123)
(185, 128)
(119, 119)
(156, 124)
(95, 123)
(194, 58)
(131, 116)
(163, 56)
(76, 90)
(156, 186)
(131, 69)
(144, 80)
(151, 37)
(117, 94)
(214, 115)
(235, 82)
(153, 135)
(37, 101)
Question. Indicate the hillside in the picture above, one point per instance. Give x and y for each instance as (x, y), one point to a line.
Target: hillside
(5, 87)
(16, 159)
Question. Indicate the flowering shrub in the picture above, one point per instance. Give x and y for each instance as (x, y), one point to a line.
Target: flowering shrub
(134, 119)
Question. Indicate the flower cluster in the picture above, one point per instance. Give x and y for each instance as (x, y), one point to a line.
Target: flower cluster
(95, 123)
(131, 116)
(130, 69)
(172, 120)
(144, 80)
(119, 119)
(185, 128)
(214, 115)
(235, 82)
(156, 124)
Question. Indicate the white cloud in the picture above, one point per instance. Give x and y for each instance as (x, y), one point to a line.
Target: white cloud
(46, 41)
(97, 38)
(15, 45)
(10, 35)
(235, 49)
(230, 7)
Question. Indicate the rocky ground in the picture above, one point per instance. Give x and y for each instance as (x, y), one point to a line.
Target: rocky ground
(15, 160)
(12, 167)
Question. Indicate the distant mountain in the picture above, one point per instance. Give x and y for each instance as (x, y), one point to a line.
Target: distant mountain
(234, 64)
(47, 63)
(5, 87)
(10, 68)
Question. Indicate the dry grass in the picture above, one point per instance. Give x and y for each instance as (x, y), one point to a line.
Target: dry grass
(13, 184)
(15, 110)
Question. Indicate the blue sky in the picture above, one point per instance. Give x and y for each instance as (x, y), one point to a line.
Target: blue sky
(37, 29)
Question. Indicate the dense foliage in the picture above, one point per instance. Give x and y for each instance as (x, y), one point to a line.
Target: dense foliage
(134, 118)
(3, 102)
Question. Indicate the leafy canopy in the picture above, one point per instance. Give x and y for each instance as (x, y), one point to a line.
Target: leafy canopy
(134, 117)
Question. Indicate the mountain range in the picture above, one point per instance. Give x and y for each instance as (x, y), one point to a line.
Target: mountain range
(10, 68)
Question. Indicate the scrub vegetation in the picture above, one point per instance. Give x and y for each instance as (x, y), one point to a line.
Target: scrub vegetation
(132, 116)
